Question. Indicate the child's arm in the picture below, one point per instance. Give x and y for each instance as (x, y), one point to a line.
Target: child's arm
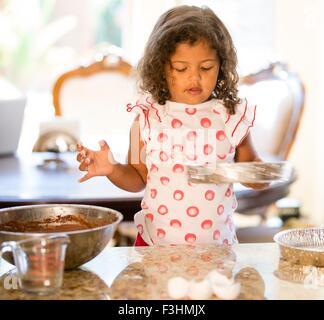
(130, 176)
(245, 152)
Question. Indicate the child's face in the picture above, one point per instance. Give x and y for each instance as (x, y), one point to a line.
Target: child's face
(192, 73)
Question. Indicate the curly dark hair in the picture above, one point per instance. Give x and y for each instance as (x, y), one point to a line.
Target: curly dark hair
(188, 24)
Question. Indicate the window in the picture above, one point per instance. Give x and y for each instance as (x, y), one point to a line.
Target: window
(110, 22)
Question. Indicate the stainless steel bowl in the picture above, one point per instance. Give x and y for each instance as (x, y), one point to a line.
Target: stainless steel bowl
(304, 246)
(84, 244)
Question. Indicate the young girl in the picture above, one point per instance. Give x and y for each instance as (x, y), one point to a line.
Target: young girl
(189, 114)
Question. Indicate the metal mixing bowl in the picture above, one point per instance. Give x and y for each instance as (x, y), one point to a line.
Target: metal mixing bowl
(84, 244)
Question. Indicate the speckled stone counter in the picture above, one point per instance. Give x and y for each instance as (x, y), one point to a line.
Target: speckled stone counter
(143, 273)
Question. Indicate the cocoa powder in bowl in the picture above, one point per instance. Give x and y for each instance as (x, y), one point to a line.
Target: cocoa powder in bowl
(57, 223)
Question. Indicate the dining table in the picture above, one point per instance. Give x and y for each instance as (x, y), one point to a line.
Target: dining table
(47, 177)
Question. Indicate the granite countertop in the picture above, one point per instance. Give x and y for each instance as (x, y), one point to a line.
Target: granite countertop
(143, 272)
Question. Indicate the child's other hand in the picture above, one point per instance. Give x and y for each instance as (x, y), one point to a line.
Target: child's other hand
(96, 163)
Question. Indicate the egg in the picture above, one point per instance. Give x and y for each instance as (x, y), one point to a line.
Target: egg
(178, 287)
(218, 279)
(200, 290)
(227, 292)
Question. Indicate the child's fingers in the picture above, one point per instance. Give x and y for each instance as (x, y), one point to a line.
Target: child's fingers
(84, 165)
(79, 147)
(103, 145)
(83, 154)
(79, 157)
(82, 149)
(85, 177)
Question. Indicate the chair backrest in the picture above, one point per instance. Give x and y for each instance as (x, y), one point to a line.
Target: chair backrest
(279, 95)
(96, 95)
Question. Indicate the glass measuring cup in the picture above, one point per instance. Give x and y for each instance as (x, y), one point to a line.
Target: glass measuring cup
(39, 262)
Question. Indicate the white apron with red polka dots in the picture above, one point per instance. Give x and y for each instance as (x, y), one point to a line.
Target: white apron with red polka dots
(174, 210)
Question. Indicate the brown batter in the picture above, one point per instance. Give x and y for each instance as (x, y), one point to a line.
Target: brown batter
(55, 224)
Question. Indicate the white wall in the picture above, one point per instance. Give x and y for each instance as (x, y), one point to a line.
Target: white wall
(299, 39)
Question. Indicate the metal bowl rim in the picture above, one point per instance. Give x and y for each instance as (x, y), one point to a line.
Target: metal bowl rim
(283, 232)
(119, 219)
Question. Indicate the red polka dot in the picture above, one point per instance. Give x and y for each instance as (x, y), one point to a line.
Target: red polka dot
(208, 149)
(207, 224)
(192, 211)
(225, 241)
(216, 235)
(176, 123)
(162, 137)
(160, 233)
(164, 180)
(191, 111)
(153, 193)
(191, 135)
(149, 216)
(177, 146)
(154, 168)
(220, 209)
(175, 257)
(178, 168)
(231, 150)
(190, 237)
(205, 257)
(228, 192)
(215, 111)
(220, 135)
(234, 204)
(192, 271)
(163, 209)
(178, 195)
(140, 228)
(192, 157)
(209, 195)
(205, 122)
(164, 156)
(221, 156)
(174, 223)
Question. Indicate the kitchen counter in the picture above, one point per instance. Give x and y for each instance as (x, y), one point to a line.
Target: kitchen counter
(143, 272)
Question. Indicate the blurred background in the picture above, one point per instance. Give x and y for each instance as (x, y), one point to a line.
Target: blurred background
(42, 39)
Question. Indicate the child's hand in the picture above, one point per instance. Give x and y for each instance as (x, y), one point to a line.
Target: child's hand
(257, 186)
(96, 163)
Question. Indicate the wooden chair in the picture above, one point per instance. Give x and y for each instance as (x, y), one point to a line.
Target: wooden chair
(279, 95)
(96, 95)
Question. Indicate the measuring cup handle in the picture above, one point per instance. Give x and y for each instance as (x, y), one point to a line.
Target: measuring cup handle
(7, 246)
